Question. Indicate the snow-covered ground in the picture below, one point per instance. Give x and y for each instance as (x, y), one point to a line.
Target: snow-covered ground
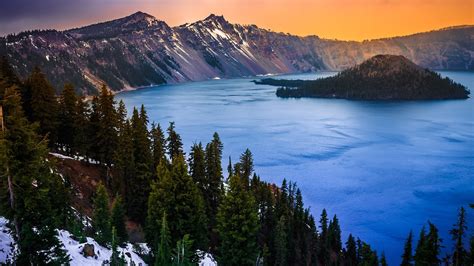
(74, 250)
(7, 246)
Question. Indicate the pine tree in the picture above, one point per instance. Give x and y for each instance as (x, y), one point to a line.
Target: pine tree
(323, 243)
(383, 260)
(421, 251)
(183, 253)
(125, 160)
(67, 118)
(245, 166)
(81, 124)
(106, 136)
(175, 193)
(115, 258)
(101, 216)
(351, 251)
(213, 184)
(407, 257)
(237, 224)
(458, 234)
(8, 78)
(334, 236)
(163, 253)
(433, 245)
(197, 167)
(30, 203)
(93, 126)
(173, 142)
(281, 249)
(139, 185)
(117, 220)
(158, 144)
(40, 104)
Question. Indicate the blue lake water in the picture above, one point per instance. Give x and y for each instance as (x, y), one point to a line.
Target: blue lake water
(383, 167)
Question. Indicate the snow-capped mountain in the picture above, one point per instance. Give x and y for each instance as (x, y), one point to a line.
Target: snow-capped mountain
(140, 50)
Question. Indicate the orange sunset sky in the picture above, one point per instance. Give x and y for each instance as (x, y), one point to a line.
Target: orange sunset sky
(341, 19)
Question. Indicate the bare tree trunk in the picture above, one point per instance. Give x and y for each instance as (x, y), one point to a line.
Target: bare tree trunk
(10, 183)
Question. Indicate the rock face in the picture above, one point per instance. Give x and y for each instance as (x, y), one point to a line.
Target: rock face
(140, 50)
(382, 77)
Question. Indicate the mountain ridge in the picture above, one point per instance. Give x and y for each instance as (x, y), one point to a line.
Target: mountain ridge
(140, 50)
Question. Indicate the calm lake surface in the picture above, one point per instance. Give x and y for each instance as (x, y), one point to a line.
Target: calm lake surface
(383, 167)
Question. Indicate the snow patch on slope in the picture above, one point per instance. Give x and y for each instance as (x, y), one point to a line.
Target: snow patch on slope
(7, 244)
(103, 254)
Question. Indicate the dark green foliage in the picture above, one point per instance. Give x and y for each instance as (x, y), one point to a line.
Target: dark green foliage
(158, 145)
(237, 224)
(368, 257)
(281, 246)
(101, 216)
(163, 250)
(183, 254)
(40, 104)
(407, 257)
(117, 220)
(39, 197)
(458, 235)
(174, 143)
(175, 193)
(116, 259)
(139, 183)
(8, 78)
(212, 188)
(351, 251)
(428, 247)
(383, 260)
(67, 118)
(382, 77)
(244, 168)
(106, 135)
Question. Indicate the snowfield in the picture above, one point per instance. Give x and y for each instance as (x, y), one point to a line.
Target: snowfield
(7, 246)
(74, 250)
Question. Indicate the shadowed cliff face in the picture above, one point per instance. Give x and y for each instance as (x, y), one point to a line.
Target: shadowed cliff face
(140, 50)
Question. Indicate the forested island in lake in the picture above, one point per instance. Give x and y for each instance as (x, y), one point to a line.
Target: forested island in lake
(382, 77)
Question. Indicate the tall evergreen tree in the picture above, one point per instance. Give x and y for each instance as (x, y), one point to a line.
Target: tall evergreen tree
(245, 166)
(383, 260)
(421, 251)
(115, 258)
(30, 187)
(117, 220)
(101, 216)
(8, 78)
(173, 142)
(158, 145)
(175, 193)
(67, 118)
(407, 257)
(281, 248)
(458, 235)
(237, 224)
(351, 251)
(433, 245)
(139, 185)
(81, 124)
(40, 104)
(214, 188)
(107, 127)
(163, 251)
(323, 243)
